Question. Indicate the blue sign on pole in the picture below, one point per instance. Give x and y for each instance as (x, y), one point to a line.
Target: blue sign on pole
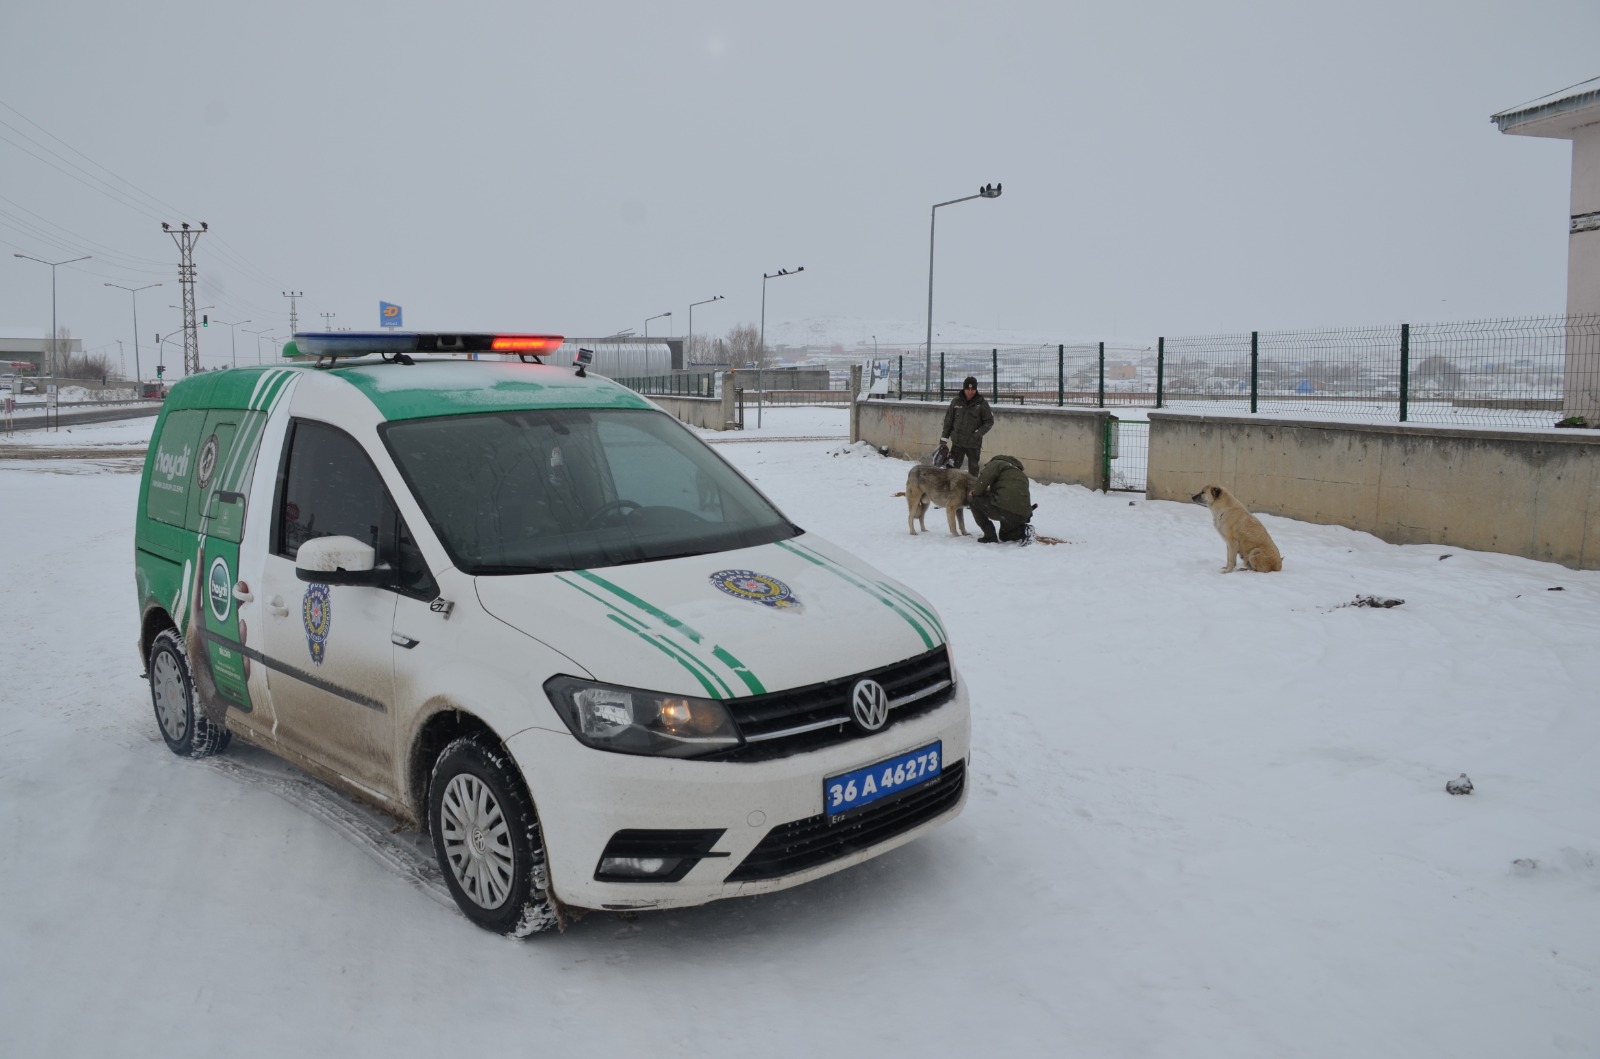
(388, 314)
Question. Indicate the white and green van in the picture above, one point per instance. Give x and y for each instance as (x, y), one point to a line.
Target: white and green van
(526, 609)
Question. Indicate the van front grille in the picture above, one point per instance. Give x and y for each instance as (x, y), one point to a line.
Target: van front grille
(818, 715)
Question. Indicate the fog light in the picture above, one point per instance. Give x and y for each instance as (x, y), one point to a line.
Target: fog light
(665, 856)
(638, 867)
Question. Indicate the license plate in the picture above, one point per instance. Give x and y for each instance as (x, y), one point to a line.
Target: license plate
(852, 790)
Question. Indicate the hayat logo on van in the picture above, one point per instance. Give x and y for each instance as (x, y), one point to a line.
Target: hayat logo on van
(221, 589)
(173, 466)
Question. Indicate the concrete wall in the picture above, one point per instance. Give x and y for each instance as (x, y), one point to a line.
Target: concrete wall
(711, 413)
(1529, 494)
(1054, 444)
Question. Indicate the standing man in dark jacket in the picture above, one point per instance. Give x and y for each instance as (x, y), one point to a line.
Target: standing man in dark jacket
(965, 423)
(1002, 493)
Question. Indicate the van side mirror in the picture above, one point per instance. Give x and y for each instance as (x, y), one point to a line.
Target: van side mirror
(337, 561)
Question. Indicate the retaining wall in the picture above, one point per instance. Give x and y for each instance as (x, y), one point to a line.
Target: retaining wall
(710, 413)
(1521, 493)
(1054, 444)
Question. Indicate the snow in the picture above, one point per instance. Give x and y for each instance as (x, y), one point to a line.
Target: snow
(1208, 819)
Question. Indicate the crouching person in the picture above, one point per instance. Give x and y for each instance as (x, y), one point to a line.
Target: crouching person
(1002, 496)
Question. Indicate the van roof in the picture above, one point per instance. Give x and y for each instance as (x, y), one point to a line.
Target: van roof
(419, 390)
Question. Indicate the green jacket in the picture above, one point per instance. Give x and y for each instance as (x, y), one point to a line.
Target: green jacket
(1004, 483)
(966, 422)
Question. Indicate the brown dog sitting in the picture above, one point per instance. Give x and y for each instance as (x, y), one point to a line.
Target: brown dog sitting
(1241, 531)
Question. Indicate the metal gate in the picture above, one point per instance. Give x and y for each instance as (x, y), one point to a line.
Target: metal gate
(1127, 455)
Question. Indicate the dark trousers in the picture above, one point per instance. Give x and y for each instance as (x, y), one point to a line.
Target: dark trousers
(972, 455)
(986, 513)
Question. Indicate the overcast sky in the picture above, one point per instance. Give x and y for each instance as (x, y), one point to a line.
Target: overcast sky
(1168, 168)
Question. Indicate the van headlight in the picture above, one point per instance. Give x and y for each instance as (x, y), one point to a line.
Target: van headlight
(630, 721)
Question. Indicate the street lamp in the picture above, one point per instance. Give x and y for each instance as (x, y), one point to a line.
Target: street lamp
(988, 191)
(53, 265)
(647, 320)
(258, 334)
(138, 377)
(233, 335)
(689, 345)
(761, 362)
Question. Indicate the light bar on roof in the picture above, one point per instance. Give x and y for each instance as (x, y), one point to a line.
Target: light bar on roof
(525, 343)
(333, 345)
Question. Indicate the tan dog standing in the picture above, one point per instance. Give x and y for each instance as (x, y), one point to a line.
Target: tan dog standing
(1241, 531)
(944, 486)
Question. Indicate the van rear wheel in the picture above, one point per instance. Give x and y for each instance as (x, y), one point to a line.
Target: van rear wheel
(187, 730)
(487, 838)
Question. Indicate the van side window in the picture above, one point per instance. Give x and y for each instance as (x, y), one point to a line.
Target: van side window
(328, 487)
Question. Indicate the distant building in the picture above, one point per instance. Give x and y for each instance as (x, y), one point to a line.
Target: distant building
(1574, 114)
(25, 351)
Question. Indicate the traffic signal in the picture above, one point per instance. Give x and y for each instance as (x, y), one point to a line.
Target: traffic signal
(160, 370)
(205, 321)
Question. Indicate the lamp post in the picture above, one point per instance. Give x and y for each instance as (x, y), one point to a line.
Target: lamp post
(258, 334)
(689, 345)
(138, 377)
(761, 353)
(988, 191)
(647, 320)
(233, 345)
(53, 266)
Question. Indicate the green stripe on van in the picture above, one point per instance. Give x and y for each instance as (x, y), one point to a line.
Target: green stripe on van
(698, 669)
(916, 604)
(720, 653)
(870, 589)
(663, 648)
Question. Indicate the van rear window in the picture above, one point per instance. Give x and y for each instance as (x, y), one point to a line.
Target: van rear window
(172, 468)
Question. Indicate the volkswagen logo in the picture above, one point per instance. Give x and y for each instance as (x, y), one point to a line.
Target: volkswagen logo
(870, 705)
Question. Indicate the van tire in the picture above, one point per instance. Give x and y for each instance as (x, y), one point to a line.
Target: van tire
(486, 836)
(187, 731)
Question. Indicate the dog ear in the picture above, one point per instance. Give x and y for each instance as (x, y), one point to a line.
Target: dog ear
(1215, 491)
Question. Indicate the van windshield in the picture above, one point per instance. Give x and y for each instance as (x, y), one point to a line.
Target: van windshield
(561, 489)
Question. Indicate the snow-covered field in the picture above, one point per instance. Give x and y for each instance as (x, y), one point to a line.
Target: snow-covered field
(1208, 819)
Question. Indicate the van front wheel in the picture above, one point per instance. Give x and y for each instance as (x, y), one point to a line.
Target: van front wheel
(187, 730)
(486, 836)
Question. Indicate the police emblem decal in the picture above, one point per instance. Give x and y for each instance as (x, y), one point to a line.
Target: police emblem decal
(757, 588)
(869, 704)
(316, 614)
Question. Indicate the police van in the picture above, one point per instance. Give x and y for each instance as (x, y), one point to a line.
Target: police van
(518, 605)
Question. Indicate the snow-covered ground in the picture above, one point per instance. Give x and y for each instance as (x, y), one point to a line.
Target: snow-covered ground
(1208, 819)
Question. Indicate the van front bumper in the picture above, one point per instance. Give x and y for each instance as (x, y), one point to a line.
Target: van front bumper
(746, 828)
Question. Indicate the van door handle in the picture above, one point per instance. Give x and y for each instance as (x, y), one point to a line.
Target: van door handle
(242, 593)
(275, 605)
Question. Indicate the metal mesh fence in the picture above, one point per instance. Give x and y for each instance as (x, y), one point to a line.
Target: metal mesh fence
(675, 384)
(1521, 372)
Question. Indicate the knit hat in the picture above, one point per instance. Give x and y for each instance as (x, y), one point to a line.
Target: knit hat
(970, 380)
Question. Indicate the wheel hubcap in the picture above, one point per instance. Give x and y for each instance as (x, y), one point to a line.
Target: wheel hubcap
(477, 841)
(166, 685)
